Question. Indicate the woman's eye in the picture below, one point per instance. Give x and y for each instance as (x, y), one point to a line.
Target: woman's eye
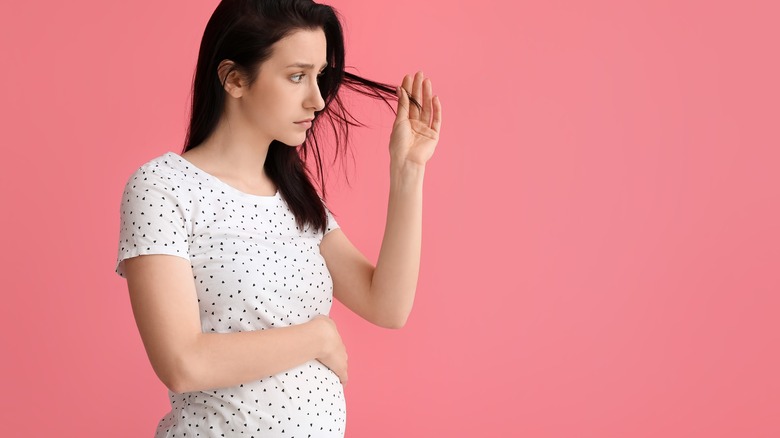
(299, 77)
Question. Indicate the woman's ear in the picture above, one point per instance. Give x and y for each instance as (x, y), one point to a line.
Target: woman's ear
(230, 78)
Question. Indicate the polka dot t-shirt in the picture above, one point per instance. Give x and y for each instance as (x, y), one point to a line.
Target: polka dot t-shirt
(254, 269)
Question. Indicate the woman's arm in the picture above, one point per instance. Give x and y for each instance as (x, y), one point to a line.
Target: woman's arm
(384, 294)
(165, 306)
(394, 282)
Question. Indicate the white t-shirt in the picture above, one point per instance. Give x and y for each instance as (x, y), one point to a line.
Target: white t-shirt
(254, 269)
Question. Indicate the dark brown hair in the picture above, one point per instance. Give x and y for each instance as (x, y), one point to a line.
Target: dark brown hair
(243, 31)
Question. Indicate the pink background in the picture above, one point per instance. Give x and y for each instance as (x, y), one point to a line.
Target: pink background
(601, 244)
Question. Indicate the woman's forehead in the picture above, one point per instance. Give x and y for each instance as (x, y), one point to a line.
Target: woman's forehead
(308, 47)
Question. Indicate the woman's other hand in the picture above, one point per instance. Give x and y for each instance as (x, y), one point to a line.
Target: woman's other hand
(334, 353)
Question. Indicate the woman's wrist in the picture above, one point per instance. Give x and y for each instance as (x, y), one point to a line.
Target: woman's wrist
(406, 176)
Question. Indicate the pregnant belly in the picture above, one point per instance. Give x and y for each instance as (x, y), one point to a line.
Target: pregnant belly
(307, 400)
(309, 397)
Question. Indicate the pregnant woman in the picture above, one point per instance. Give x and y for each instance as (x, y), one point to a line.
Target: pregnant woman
(231, 256)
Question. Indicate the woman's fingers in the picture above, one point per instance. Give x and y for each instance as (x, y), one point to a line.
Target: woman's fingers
(403, 99)
(427, 105)
(421, 89)
(417, 90)
(436, 114)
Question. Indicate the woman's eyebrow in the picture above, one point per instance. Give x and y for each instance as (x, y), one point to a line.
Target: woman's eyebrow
(304, 65)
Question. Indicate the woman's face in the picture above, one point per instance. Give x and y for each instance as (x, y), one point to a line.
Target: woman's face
(286, 90)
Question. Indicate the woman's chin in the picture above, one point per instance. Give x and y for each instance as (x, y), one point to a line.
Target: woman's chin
(291, 144)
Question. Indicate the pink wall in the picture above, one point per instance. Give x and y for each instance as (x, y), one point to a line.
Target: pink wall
(600, 251)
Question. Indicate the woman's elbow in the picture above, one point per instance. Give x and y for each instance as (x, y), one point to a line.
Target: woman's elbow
(176, 384)
(394, 322)
(178, 377)
(395, 325)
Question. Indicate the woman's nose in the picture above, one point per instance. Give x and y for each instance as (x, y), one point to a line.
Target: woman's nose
(315, 99)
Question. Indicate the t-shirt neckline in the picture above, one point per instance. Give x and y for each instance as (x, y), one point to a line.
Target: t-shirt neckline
(224, 185)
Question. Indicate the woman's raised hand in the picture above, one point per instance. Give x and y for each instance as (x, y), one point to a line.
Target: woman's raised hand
(415, 132)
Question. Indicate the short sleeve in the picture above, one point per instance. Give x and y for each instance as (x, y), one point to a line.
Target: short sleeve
(332, 224)
(151, 219)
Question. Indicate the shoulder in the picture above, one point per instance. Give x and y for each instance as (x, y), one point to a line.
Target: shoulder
(158, 169)
(158, 184)
(160, 173)
(330, 220)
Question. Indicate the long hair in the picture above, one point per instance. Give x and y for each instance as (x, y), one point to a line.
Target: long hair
(243, 31)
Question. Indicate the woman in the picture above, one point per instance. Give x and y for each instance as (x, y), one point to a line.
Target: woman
(230, 255)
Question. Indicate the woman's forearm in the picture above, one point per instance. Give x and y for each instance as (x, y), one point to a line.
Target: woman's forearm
(219, 360)
(398, 264)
